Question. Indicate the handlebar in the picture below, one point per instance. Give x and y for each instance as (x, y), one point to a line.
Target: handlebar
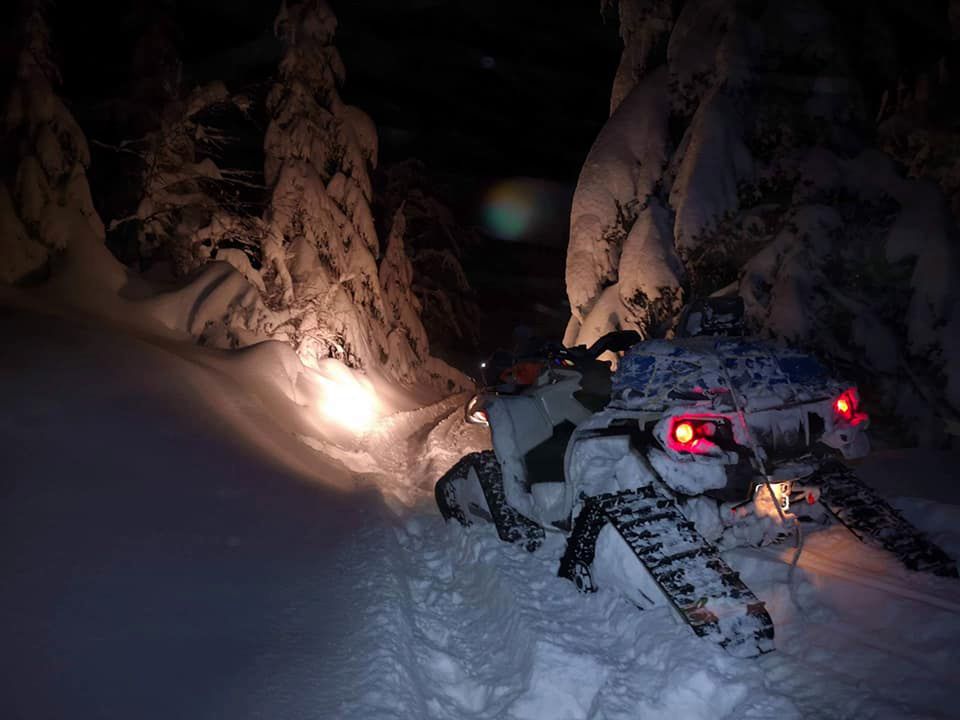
(555, 354)
(617, 341)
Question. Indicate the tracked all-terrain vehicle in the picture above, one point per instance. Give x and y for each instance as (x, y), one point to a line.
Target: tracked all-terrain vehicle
(692, 446)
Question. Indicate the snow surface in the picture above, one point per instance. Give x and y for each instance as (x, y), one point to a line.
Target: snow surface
(174, 545)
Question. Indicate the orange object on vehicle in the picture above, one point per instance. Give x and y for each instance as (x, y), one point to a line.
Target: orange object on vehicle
(523, 373)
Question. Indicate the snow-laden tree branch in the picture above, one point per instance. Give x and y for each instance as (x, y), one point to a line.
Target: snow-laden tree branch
(735, 161)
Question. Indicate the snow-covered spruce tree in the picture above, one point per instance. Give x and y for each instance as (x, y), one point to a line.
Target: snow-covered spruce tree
(435, 244)
(406, 338)
(45, 204)
(187, 206)
(740, 162)
(644, 28)
(320, 245)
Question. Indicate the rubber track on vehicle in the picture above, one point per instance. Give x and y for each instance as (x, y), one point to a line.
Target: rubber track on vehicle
(873, 520)
(707, 593)
(512, 526)
(445, 494)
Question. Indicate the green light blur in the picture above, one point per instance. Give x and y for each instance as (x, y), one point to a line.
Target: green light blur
(509, 210)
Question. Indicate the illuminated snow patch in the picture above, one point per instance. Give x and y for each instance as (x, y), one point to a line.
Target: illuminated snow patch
(346, 399)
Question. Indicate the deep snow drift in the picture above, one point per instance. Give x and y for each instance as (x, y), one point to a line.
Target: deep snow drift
(175, 546)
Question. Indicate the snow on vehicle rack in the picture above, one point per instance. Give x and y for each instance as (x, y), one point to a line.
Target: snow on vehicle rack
(658, 374)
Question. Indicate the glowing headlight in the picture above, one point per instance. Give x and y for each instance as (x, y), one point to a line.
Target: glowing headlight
(474, 413)
(348, 401)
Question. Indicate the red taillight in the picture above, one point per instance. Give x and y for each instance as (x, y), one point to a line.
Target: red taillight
(693, 434)
(683, 433)
(846, 405)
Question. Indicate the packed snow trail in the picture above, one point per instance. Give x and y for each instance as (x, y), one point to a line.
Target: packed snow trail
(173, 547)
(865, 636)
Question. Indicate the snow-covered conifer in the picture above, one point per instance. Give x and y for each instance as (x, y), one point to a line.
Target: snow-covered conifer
(45, 206)
(736, 162)
(435, 243)
(320, 247)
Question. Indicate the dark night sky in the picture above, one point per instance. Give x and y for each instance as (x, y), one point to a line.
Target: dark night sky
(493, 88)
(499, 87)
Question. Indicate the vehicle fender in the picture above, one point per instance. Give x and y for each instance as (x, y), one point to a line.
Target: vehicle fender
(517, 425)
(596, 463)
(558, 401)
(690, 477)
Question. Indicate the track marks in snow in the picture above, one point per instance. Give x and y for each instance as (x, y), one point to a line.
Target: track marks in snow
(458, 625)
(400, 443)
(472, 647)
(498, 635)
(868, 638)
(561, 685)
(375, 675)
(407, 451)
